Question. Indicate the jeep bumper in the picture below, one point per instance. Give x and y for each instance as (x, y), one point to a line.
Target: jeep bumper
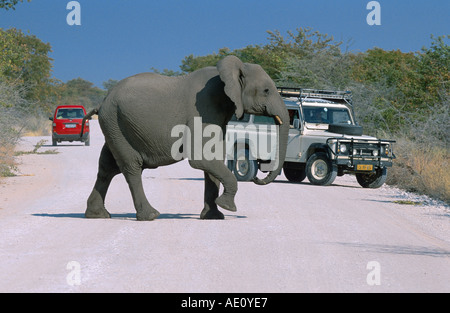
(362, 164)
(361, 155)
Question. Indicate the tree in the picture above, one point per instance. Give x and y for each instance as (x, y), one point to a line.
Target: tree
(311, 60)
(109, 84)
(24, 60)
(273, 56)
(10, 4)
(192, 63)
(434, 68)
(166, 72)
(409, 86)
(80, 92)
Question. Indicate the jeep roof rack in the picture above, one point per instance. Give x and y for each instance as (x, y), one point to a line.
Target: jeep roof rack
(303, 94)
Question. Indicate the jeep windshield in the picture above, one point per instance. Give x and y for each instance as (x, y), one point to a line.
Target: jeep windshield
(319, 116)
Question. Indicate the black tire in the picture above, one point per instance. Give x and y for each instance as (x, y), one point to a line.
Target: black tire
(54, 142)
(295, 175)
(345, 129)
(372, 180)
(87, 143)
(320, 170)
(242, 167)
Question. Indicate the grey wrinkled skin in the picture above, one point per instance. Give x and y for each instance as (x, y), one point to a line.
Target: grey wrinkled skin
(139, 113)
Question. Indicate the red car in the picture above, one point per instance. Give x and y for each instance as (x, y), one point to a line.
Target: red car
(67, 124)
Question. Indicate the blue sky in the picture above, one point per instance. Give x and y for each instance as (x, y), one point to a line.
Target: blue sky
(119, 38)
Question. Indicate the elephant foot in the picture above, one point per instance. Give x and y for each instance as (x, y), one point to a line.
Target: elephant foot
(97, 213)
(226, 202)
(96, 207)
(211, 214)
(147, 214)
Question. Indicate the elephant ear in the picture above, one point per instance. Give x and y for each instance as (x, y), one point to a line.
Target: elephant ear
(231, 71)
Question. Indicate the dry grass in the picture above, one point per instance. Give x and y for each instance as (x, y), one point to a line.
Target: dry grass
(422, 168)
(7, 161)
(38, 126)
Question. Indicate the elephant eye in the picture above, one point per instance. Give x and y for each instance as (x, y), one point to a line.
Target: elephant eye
(266, 91)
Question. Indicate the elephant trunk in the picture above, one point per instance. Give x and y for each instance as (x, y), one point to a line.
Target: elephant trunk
(283, 134)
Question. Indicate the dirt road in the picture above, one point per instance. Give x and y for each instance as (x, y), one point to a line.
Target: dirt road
(283, 238)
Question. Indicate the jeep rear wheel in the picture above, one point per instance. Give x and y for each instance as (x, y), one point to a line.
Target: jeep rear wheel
(320, 170)
(372, 180)
(295, 175)
(243, 168)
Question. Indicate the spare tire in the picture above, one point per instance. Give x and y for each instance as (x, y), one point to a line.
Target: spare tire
(346, 129)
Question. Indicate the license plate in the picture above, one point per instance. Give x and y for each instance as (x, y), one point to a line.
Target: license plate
(364, 167)
(71, 125)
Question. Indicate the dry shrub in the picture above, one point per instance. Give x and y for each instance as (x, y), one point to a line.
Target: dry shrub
(12, 111)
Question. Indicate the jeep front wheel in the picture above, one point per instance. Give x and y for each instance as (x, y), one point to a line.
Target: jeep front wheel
(372, 180)
(320, 170)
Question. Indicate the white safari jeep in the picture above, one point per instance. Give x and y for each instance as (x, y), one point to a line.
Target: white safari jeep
(324, 142)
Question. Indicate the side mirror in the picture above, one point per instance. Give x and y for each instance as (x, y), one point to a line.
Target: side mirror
(297, 123)
(50, 118)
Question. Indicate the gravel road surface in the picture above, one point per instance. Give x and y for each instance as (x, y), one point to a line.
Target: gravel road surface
(283, 238)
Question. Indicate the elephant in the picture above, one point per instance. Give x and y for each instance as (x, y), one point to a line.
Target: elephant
(139, 113)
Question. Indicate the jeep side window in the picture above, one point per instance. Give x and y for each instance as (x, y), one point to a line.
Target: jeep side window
(244, 119)
(293, 114)
(261, 119)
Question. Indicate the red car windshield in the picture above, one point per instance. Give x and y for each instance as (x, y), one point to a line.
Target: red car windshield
(65, 113)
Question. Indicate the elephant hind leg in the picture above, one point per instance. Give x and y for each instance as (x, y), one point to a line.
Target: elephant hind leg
(107, 169)
(144, 211)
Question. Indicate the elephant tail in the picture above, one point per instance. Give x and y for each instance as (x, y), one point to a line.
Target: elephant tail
(87, 117)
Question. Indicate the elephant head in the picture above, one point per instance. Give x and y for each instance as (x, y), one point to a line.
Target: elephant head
(252, 91)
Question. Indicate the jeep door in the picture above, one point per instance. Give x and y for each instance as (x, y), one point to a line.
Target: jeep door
(294, 141)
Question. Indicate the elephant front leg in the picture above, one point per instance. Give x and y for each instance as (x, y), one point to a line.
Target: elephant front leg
(217, 169)
(210, 211)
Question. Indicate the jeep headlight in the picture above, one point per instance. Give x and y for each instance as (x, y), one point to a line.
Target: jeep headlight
(375, 153)
(343, 148)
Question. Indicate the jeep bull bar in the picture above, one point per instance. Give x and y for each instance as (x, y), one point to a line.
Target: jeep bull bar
(361, 154)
